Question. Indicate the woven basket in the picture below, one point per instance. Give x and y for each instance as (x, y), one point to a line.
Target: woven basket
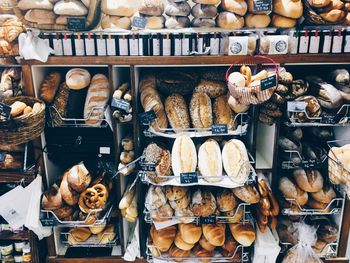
(252, 94)
(25, 128)
(92, 19)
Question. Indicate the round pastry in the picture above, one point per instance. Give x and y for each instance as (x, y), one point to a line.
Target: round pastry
(163, 238)
(203, 22)
(200, 252)
(257, 21)
(235, 215)
(64, 211)
(214, 233)
(78, 78)
(162, 213)
(52, 199)
(213, 88)
(226, 201)
(206, 244)
(209, 161)
(94, 197)
(177, 9)
(326, 195)
(175, 22)
(183, 155)
(201, 110)
(204, 11)
(79, 177)
(177, 253)
(203, 203)
(243, 233)
(309, 181)
(229, 20)
(190, 233)
(248, 194)
(181, 203)
(155, 197)
(181, 244)
(70, 196)
(238, 7)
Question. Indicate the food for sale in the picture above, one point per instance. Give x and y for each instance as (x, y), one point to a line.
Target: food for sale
(120, 7)
(212, 88)
(107, 235)
(175, 22)
(40, 16)
(288, 8)
(12, 161)
(115, 22)
(292, 191)
(257, 21)
(155, 197)
(214, 233)
(182, 203)
(70, 196)
(177, 9)
(201, 110)
(177, 81)
(50, 86)
(174, 193)
(203, 203)
(287, 231)
(226, 201)
(78, 235)
(175, 252)
(312, 109)
(283, 22)
(60, 104)
(238, 7)
(10, 82)
(181, 244)
(223, 113)
(128, 204)
(204, 243)
(327, 230)
(316, 205)
(229, 20)
(204, 11)
(247, 194)
(309, 181)
(94, 197)
(243, 233)
(97, 229)
(123, 93)
(210, 161)
(17, 108)
(79, 178)
(30, 4)
(325, 195)
(177, 112)
(199, 252)
(207, 2)
(183, 155)
(340, 76)
(339, 173)
(70, 8)
(151, 7)
(52, 199)
(190, 233)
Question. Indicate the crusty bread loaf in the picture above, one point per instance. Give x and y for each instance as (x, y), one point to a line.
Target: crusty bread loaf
(96, 99)
(183, 155)
(212, 88)
(223, 113)
(35, 4)
(155, 22)
(174, 193)
(182, 203)
(78, 177)
(190, 233)
(177, 112)
(325, 195)
(177, 9)
(116, 22)
(201, 110)
(204, 11)
(120, 7)
(283, 22)
(175, 22)
(292, 191)
(214, 233)
(288, 8)
(228, 20)
(70, 8)
(257, 21)
(152, 7)
(162, 213)
(247, 194)
(163, 238)
(238, 7)
(209, 161)
(226, 201)
(159, 156)
(207, 2)
(203, 22)
(40, 16)
(78, 78)
(309, 181)
(243, 233)
(203, 203)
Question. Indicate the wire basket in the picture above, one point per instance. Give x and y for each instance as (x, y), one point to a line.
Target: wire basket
(252, 94)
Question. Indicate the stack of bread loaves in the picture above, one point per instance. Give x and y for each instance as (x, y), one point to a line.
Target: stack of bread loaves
(204, 13)
(177, 12)
(152, 11)
(286, 13)
(126, 156)
(232, 14)
(332, 11)
(256, 19)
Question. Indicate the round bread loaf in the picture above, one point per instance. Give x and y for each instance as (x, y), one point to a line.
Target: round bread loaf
(78, 78)
(162, 213)
(226, 201)
(177, 112)
(152, 7)
(238, 7)
(174, 22)
(228, 20)
(155, 197)
(243, 233)
(248, 194)
(207, 2)
(120, 7)
(155, 22)
(190, 233)
(177, 81)
(283, 22)
(116, 22)
(203, 22)
(204, 11)
(203, 203)
(174, 193)
(214, 233)
(288, 8)
(209, 161)
(184, 155)
(223, 113)
(201, 110)
(212, 88)
(309, 181)
(79, 177)
(292, 191)
(257, 21)
(326, 195)
(177, 9)
(70, 8)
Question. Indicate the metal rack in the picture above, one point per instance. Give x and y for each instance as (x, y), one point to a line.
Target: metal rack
(92, 241)
(329, 251)
(296, 160)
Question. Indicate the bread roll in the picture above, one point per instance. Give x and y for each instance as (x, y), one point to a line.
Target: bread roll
(120, 7)
(155, 197)
(207, 2)
(309, 181)
(209, 161)
(288, 8)
(174, 193)
(52, 198)
(238, 7)
(177, 9)
(320, 3)
(17, 108)
(70, 196)
(181, 244)
(212, 88)
(155, 22)
(203, 22)
(152, 7)
(40, 16)
(35, 4)
(333, 16)
(247, 194)
(257, 21)
(292, 191)
(236, 106)
(283, 22)
(214, 233)
(201, 111)
(190, 233)
(161, 158)
(223, 113)
(235, 161)
(243, 233)
(182, 203)
(175, 22)
(206, 244)
(228, 20)
(316, 205)
(237, 79)
(70, 8)
(78, 235)
(78, 78)
(163, 238)
(199, 252)
(203, 203)
(177, 253)
(226, 201)
(97, 229)
(326, 195)
(162, 214)
(204, 11)
(79, 178)
(116, 22)
(177, 112)
(183, 155)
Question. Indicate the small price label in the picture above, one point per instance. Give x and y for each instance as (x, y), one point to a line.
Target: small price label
(2, 156)
(76, 23)
(296, 106)
(139, 22)
(147, 117)
(121, 104)
(5, 111)
(48, 222)
(328, 118)
(207, 220)
(148, 167)
(308, 164)
(262, 6)
(189, 178)
(269, 82)
(219, 129)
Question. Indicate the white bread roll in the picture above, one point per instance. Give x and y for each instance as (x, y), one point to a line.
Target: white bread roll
(283, 22)
(237, 78)
(183, 155)
(34, 4)
(70, 8)
(229, 20)
(238, 7)
(120, 7)
(210, 161)
(235, 160)
(257, 21)
(155, 22)
(204, 11)
(78, 78)
(288, 8)
(40, 16)
(116, 22)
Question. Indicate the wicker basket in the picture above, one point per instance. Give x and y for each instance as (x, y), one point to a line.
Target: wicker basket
(23, 128)
(92, 19)
(252, 94)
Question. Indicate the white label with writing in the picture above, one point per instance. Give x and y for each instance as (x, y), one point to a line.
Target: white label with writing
(214, 46)
(314, 44)
(166, 47)
(347, 44)
(185, 46)
(111, 49)
(156, 46)
(337, 44)
(304, 44)
(238, 46)
(123, 47)
(134, 47)
(278, 45)
(58, 47)
(140, 46)
(101, 47)
(79, 47)
(294, 44)
(105, 150)
(90, 47)
(67, 47)
(296, 106)
(200, 45)
(327, 44)
(177, 47)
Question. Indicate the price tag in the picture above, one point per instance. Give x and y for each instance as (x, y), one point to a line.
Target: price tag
(121, 104)
(296, 106)
(207, 220)
(262, 6)
(309, 164)
(269, 82)
(2, 156)
(188, 178)
(328, 118)
(147, 117)
(219, 129)
(139, 22)
(5, 111)
(48, 222)
(76, 23)
(148, 167)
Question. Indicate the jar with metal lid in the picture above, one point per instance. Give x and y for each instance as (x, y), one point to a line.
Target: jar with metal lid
(18, 258)
(27, 256)
(6, 248)
(19, 245)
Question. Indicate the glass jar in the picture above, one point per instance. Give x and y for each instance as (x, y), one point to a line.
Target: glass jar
(19, 246)
(27, 256)
(6, 249)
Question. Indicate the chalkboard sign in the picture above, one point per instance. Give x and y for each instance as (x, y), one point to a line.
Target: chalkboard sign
(310, 164)
(207, 220)
(5, 111)
(147, 117)
(48, 222)
(269, 82)
(139, 22)
(262, 6)
(76, 23)
(219, 129)
(148, 167)
(2, 156)
(329, 118)
(189, 178)
(121, 104)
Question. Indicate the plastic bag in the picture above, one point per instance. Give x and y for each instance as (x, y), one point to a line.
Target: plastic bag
(303, 252)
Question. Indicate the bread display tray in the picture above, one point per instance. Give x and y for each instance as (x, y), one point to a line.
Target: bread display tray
(217, 258)
(329, 251)
(93, 240)
(339, 118)
(241, 119)
(297, 161)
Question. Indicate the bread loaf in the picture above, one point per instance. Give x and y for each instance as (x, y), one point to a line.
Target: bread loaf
(79, 178)
(203, 22)
(203, 203)
(155, 197)
(309, 181)
(177, 81)
(257, 21)
(70, 8)
(214, 233)
(326, 195)
(333, 16)
(288, 8)
(116, 22)
(182, 203)
(120, 7)
(175, 22)
(226, 201)
(230, 246)
(212, 88)
(190, 233)
(35, 4)
(174, 193)
(177, 112)
(235, 215)
(204, 243)
(78, 235)
(60, 104)
(321, 3)
(163, 238)
(155, 22)
(312, 203)
(162, 214)
(161, 158)
(183, 155)
(152, 7)
(223, 113)
(64, 211)
(283, 22)
(228, 20)
(181, 244)
(78, 78)
(17, 108)
(243, 233)
(292, 191)
(209, 161)
(237, 107)
(70, 196)
(247, 194)
(62, 20)
(201, 111)
(40, 16)
(204, 11)
(238, 7)
(177, 9)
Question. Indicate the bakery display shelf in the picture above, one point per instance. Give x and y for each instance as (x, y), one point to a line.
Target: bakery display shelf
(296, 160)
(14, 235)
(241, 120)
(196, 219)
(105, 240)
(76, 123)
(17, 177)
(48, 218)
(155, 255)
(340, 118)
(329, 251)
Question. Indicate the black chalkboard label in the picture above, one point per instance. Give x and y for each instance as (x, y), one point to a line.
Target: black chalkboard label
(2, 156)
(147, 117)
(48, 222)
(76, 23)
(5, 111)
(219, 129)
(121, 104)
(207, 220)
(189, 178)
(329, 118)
(269, 82)
(310, 164)
(139, 22)
(262, 5)
(148, 167)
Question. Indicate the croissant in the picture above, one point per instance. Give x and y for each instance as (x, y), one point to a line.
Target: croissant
(8, 49)
(11, 29)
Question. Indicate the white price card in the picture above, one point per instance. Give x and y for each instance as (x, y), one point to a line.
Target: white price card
(156, 46)
(58, 45)
(337, 42)
(238, 46)
(101, 46)
(134, 46)
(347, 44)
(327, 42)
(166, 45)
(304, 43)
(214, 46)
(67, 45)
(123, 46)
(314, 43)
(296, 106)
(79, 45)
(294, 39)
(111, 47)
(185, 46)
(90, 48)
(177, 46)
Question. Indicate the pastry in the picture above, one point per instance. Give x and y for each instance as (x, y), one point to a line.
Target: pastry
(212, 88)
(79, 178)
(181, 244)
(17, 108)
(162, 213)
(183, 155)
(230, 246)
(203, 203)
(174, 193)
(209, 161)
(243, 233)
(247, 194)
(49, 87)
(201, 110)
(214, 233)
(204, 11)
(155, 197)
(94, 197)
(190, 233)
(70, 196)
(236, 215)
(64, 211)
(177, 253)
(70, 8)
(177, 112)
(204, 243)
(120, 7)
(309, 181)
(97, 229)
(238, 7)
(177, 81)
(199, 252)
(223, 113)
(182, 203)
(288, 8)
(228, 20)
(257, 21)
(333, 16)
(163, 238)
(226, 201)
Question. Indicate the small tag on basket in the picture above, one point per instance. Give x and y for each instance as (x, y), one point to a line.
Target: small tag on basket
(309, 164)
(219, 129)
(207, 220)
(189, 178)
(5, 111)
(296, 106)
(328, 118)
(148, 167)
(121, 104)
(147, 117)
(269, 82)
(2, 156)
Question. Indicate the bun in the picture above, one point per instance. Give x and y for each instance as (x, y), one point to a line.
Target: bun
(175, 22)
(214, 233)
(291, 191)
(177, 112)
(229, 20)
(201, 111)
(212, 88)
(203, 203)
(17, 108)
(40, 16)
(183, 155)
(49, 87)
(116, 22)
(181, 244)
(308, 181)
(209, 161)
(97, 229)
(77, 78)
(181, 203)
(204, 243)
(326, 195)
(235, 161)
(120, 7)
(70, 196)
(204, 11)
(78, 235)
(79, 178)
(174, 193)
(226, 201)
(288, 8)
(243, 233)
(283, 22)
(34, 4)
(177, 9)
(175, 252)
(190, 233)
(320, 3)
(161, 157)
(238, 7)
(333, 16)
(203, 22)
(163, 238)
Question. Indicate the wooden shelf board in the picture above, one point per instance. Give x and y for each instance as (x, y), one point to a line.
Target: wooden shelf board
(112, 259)
(186, 60)
(8, 235)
